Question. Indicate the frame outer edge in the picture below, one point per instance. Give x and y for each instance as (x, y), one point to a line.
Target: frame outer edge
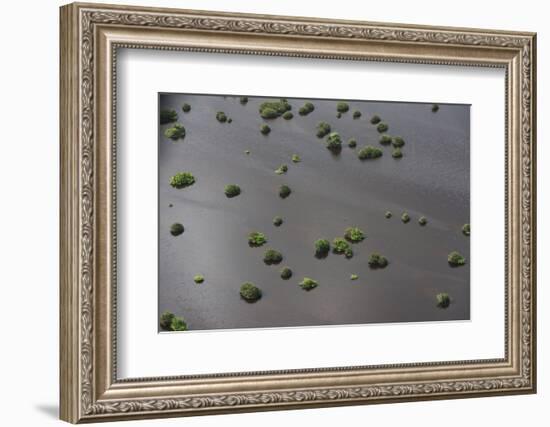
(69, 355)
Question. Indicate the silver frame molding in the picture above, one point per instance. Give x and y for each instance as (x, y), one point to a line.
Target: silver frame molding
(90, 37)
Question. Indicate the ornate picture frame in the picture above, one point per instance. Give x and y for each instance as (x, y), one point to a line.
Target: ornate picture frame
(90, 37)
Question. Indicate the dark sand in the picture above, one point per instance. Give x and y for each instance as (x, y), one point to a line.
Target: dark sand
(330, 193)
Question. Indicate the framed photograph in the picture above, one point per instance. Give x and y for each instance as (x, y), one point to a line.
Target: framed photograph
(267, 212)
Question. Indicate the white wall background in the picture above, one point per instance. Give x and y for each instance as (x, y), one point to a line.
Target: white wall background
(29, 170)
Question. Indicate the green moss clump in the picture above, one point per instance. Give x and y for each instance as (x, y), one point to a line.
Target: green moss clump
(284, 191)
(354, 277)
(169, 322)
(342, 107)
(382, 127)
(176, 229)
(175, 132)
(435, 108)
(186, 107)
(182, 180)
(341, 246)
(455, 259)
(466, 229)
(422, 220)
(338, 115)
(265, 129)
(405, 217)
(385, 139)
(271, 256)
(221, 117)
(397, 153)
(377, 261)
(334, 142)
(232, 190)
(308, 284)
(356, 114)
(352, 143)
(286, 273)
(369, 152)
(354, 234)
(277, 221)
(199, 278)
(307, 108)
(288, 115)
(281, 169)
(322, 248)
(375, 119)
(388, 214)
(443, 300)
(256, 239)
(178, 324)
(243, 100)
(250, 292)
(273, 109)
(168, 116)
(398, 142)
(296, 158)
(323, 129)
(229, 120)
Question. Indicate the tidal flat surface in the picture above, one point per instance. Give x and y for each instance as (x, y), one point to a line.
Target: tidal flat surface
(329, 193)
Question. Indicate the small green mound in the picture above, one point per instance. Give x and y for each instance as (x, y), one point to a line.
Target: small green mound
(352, 143)
(250, 292)
(405, 217)
(265, 129)
(308, 284)
(377, 261)
(353, 277)
(277, 221)
(186, 107)
(397, 153)
(369, 152)
(175, 132)
(323, 129)
(388, 214)
(385, 139)
(398, 142)
(182, 180)
(341, 246)
(356, 114)
(466, 229)
(232, 190)
(375, 119)
(422, 220)
(284, 191)
(322, 248)
(281, 169)
(435, 108)
(271, 256)
(256, 239)
(382, 127)
(274, 109)
(342, 107)
(243, 100)
(334, 142)
(286, 273)
(170, 322)
(455, 259)
(199, 278)
(296, 158)
(168, 116)
(338, 115)
(288, 115)
(354, 234)
(443, 300)
(229, 120)
(221, 117)
(307, 108)
(176, 229)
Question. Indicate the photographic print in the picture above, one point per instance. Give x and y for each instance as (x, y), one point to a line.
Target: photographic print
(292, 212)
